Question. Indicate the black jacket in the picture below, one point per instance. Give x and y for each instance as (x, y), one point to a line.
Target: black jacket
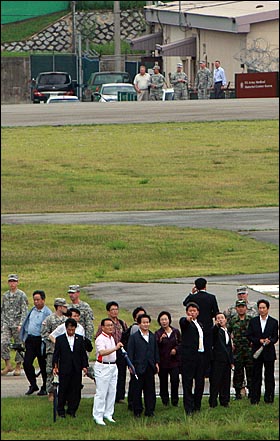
(208, 307)
(141, 353)
(254, 334)
(67, 360)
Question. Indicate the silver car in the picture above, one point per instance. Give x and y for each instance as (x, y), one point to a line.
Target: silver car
(116, 92)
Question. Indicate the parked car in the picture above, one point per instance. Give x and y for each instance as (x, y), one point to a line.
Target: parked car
(115, 92)
(97, 79)
(62, 99)
(168, 94)
(51, 83)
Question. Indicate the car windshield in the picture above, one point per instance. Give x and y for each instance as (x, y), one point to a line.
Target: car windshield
(110, 78)
(53, 79)
(113, 90)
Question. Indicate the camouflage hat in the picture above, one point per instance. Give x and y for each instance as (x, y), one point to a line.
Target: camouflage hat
(241, 290)
(59, 301)
(240, 303)
(202, 62)
(13, 277)
(156, 67)
(73, 288)
(179, 65)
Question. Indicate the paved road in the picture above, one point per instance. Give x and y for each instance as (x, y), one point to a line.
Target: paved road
(138, 112)
(260, 223)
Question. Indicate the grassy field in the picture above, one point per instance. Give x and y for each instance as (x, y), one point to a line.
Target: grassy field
(140, 167)
(31, 418)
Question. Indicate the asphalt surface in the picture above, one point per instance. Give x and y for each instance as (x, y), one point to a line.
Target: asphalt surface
(13, 115)
(260, 223)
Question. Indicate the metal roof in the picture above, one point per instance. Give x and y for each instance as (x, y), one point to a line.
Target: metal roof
(228, 16)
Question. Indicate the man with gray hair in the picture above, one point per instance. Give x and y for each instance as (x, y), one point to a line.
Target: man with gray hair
(242, 294)
(179, 81)
(13, 311)
(203, 81)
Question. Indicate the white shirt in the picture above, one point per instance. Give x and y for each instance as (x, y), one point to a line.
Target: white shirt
(142, 81)
(71, 339)
(145, 336)
(61, 329)
(219, 75)
(103, 342)
(263, 322)
(226, 334)
(200, 346)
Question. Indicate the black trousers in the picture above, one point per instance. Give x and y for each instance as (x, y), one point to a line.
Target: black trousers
(220, 383)
(269, 380)
(121, 364)
(164, 375)
(218, 92)
(193, 371)
(145, 384)
(32, 351)
(69, 390)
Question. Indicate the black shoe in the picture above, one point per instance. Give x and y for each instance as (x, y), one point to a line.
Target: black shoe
(71, 414)
(42, 392)
(137, 415)
(150, 414)
(225, 405)
(189, 413)
(254, 402)
(62, 415)
(238, 397)
(32, 389)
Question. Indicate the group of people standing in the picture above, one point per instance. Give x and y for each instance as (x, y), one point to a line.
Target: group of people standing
(150, 87)
(208, 343)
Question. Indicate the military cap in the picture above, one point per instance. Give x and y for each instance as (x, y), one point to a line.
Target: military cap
(241, 290)
(73, 288)
(12, 277)
(179, 65)
(156, 67)
(240, 303)
(202, 62)
(59, 301)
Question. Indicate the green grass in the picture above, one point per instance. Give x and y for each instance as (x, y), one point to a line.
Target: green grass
(140, 167)
(31, 418)
(23, 30)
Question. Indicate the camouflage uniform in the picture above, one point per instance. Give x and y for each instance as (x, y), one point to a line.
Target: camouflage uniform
(156, 93)
(13, 311)
(203, 83)
(86, 319)
(180, 89)
(49, 325)
(243, 357)
(252, 310)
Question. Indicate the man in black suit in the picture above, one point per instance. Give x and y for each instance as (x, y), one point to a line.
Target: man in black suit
(192, 356)
(222, 363)
(208, 308)
(263, 332)
(69, 360)
(143, 352)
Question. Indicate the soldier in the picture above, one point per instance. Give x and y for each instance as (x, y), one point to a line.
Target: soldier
(203, 82)
(13, 311)
(242, 351)
(180, 82)
(157, 82)
(87, 318)
(50, 324)
(242, 294)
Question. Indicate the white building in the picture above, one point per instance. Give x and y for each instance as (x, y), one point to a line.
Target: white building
(243, 35)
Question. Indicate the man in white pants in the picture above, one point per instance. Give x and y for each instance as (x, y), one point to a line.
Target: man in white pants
(105, 373)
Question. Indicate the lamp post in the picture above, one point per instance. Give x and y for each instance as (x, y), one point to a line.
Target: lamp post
(117, 35)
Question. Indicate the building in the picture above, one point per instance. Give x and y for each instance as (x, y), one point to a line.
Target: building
(243, 35)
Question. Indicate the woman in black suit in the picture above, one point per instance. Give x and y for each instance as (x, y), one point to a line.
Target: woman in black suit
(69, 360)
(263, 332)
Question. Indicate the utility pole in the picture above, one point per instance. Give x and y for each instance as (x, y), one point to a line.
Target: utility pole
(117, 35)
(73, 4)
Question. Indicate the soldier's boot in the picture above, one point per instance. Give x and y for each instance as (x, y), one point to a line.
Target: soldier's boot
(238, 395)
(17, 370)
(8, 368)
